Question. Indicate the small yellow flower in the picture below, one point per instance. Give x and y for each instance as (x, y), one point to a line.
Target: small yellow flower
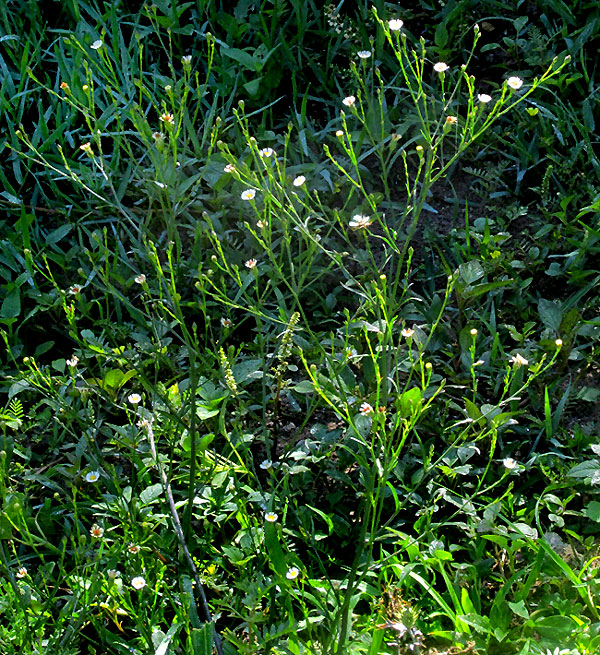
(64, 86)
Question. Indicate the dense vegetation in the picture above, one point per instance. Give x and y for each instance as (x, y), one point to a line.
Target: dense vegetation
(300, 315)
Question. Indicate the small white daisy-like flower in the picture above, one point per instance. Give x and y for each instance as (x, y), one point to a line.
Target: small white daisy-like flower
(21, 573)
(145, 423)
(260, 225)
(230, 168)
(484, 98)
(72, 363)
(441, 67)
(366, 409)
(271, 517)
(360, 221)
(558, 343)
(140, 279)
(364, 54)
(407, 333)
(266, 464)
(451, 120)
(157, 135)
(134, 549)
(92, 476)
(186, 60)
(226, 322)
(292, 573)
(299, 181)
(167, 118)
(138, 582)
(134, 398)
(395, 24)
(251, 263)
(473, 332)
(509, 463)
(349, 101)
(74, 290)
(113, 574)
(96, 531)
(248, 194)
(266, 152)
(514, 82)
(86, 147)
(339, 133)
(518, 360)
(96, 45)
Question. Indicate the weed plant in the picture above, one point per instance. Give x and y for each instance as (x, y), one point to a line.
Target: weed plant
(256, 399)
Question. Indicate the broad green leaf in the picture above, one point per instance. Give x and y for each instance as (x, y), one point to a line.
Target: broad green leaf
(151, 493)
(11, 305)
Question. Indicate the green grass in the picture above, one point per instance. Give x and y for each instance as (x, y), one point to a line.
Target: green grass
(300, 332)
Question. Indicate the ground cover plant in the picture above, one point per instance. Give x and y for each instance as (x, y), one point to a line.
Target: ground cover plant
(300, 333)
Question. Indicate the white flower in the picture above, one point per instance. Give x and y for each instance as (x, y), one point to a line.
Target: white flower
(266, 152)
(134, 398)
(112, 573)
(226, 322)
(299, 181)
(248, 194)
(395, 24)
(140, 279)
(407, 333)
(558, 343)
(514, 82)
(251, 263)
(230, 168)
(167, 118)
(260, 225)
(360, 221)
(292, 573)
(440, 67)
(133, 549)
(186, 60)
(73, 361)
(451, 120)
(138, 582)
(349, 101)
(96, 45)
(484, 98)
(271, 517)
(96, 531)
(160, 185)
(509, 463)
(266, 464)
(86, 147)
(364, 54)
(92, 476)
(74, 290)
(21, 573)
(473, 332)
(366, 409)
(518, 360)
